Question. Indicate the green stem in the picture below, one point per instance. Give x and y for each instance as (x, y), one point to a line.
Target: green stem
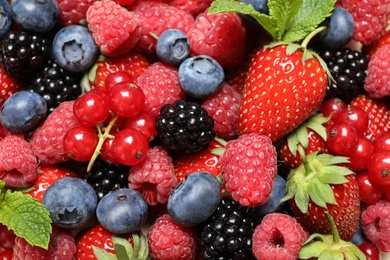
(333, 228)
(306, 41)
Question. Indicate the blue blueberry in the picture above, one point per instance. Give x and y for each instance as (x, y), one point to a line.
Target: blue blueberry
(5, 17)
(259, 5)
(195, 199)
(172, 47)
(71, 202)
(122, 211)
(339, 31)
(74, 48)
(23, 112)
(200, 76)
(35, 15)
(359, 236)
(273, 204)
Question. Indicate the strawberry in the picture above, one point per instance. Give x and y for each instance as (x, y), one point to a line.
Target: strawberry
(8, 86)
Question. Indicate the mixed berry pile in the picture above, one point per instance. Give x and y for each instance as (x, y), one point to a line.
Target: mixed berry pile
(205, 129)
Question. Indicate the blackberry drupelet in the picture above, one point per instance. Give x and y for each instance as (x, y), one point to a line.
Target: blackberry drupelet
(227, 234)
(105, 177)
(348, 68)
(22, 53)
(55, 85)
(184, 127)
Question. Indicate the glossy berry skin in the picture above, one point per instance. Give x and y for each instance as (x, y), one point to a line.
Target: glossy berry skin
(143, 122)
(370, 250)
(35, 16)
(122, 211)
(360, 156)
(5, 18)
(195, 199)
(126, 99)
(117, 77)
(71, 202)
(369, 191)
(172, 47)
(80, 143)
(200, 76)
(379, 167)
(332, 106)
(74, 48)
(383, 142)
(354, 116)
(23, 112)
(91, 108)
(342, 138)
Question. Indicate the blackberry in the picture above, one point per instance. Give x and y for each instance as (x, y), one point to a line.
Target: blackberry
(55, 85)
(348, 68)
(105, 177)
(22, 53)
(184, 127)
(227, 234)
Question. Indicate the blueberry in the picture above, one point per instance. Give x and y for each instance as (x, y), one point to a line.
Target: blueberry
(195, 199)
(273, 204)
(359, 236)
(340, 29)
(259, 5)
(74, 48)
(172, 47)
(35, 15)
(71, 202)
(5, 17)
(200, 76)
(23, 112)
(122, 211)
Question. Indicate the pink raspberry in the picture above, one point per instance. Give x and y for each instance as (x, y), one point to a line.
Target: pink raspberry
(248, 167)
(224, 108)
(207, 36)
(193, 7)
(377, 83)
(18, 165)
(155, 177)
(169, 240)
(73, 11)
(278, 236)
(376, 224)
(370, 17)
(156, 17)
(47, 140)
(160, 84)
(115, 30)
(62, 246)
(7, 237)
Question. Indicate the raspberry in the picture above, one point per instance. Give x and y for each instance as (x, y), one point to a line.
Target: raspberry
(249, 168)
(169, 240)
(376, 224)
(73, 12)
(61, 246)
(154, 178)
(377, 83)
(18, 165)
(161, 86)
(7, 237)
(47, 140)
(115, 30)
(156, 17)
(279, 236)
(193, 7)
(207, 36)
(224, 108)
(371, 22)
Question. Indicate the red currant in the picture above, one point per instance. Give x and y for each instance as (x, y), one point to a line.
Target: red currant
(354, 116)
(117, 77)
(332, 105)
(369, 191)
(80, 143)
(342, 138)
(379, 167)
(361, 155)
(130, 147)
(143, 122)
(91, 108)
(370, 250)
(126, 99)
(382, 142)
(106, 152)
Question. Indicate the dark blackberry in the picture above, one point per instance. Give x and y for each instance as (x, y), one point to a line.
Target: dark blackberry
(105, 177)
(185, 127)
(348, 68)
(22, 53)
(227, 234)
(56, 85)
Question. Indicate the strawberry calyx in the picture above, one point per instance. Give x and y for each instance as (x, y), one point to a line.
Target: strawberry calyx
(312, 180)
(329, 246)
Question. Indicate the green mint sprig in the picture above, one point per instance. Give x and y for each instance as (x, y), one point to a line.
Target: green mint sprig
(27, 217)
(288, 21)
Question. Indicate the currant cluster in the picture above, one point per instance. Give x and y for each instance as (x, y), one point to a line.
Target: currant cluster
(349, 135)
(112, 124)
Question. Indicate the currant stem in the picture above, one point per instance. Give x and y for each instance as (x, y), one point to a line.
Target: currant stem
(102, 137)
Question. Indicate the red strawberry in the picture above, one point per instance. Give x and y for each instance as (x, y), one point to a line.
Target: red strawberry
(8, 86)
(284, 87)
(47, 175)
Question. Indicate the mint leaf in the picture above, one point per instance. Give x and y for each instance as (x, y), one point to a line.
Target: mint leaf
(27, 217)
(102, 254)
(310, 15)
(269, 23)
(284, 12)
